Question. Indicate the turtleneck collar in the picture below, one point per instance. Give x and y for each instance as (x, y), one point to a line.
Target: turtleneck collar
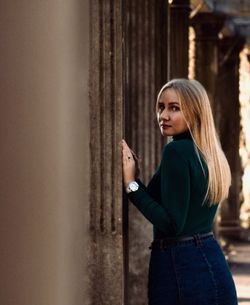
(183, 135)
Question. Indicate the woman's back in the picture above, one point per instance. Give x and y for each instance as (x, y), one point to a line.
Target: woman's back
(187, 265)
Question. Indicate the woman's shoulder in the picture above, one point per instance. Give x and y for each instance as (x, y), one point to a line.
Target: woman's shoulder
(183, 148)
(180, 145)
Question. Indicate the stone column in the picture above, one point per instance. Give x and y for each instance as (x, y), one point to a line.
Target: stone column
(146, 71)
(45, 154)
(178, 38)
(106, 108)
(207, 27)
(245, 134)
(229, 129)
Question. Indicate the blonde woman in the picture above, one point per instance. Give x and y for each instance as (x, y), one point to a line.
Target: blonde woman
(187, 265)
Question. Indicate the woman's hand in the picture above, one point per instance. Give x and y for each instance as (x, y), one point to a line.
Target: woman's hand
(129, 164)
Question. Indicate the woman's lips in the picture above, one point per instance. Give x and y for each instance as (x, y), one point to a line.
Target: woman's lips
(165, 126)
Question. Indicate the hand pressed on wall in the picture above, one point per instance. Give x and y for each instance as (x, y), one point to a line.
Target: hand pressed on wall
(130, 164)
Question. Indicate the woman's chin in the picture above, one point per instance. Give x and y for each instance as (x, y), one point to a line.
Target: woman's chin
(166, 134)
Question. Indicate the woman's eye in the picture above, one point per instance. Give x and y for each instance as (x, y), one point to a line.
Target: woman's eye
(174, 108)
(161, 107)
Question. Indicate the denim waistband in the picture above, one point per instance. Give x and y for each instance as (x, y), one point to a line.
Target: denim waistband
(163, 243)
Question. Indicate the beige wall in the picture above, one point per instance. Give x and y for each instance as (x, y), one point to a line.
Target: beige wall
(44, 152)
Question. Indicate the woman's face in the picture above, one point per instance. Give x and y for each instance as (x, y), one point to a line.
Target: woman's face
(169, 115)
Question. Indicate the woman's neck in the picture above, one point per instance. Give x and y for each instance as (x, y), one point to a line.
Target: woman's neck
(183, 135)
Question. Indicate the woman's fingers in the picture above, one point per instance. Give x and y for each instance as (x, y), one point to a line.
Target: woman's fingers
(129, 163)
(126, 150)
(125, 145)
(134, 155)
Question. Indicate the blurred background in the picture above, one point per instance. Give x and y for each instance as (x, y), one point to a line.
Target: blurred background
(76, 78)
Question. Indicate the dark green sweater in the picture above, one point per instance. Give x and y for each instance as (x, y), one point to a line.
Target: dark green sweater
(172, 201)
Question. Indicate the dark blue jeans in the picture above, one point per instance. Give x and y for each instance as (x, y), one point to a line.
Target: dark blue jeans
(190, 273)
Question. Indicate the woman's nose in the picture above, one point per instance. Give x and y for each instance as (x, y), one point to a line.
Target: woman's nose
(165, 115)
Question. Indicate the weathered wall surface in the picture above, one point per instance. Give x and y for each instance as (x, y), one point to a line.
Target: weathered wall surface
(44, 152)
(106, 125)
(146, 71)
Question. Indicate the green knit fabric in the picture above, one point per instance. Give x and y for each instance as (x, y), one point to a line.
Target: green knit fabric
(173, 199)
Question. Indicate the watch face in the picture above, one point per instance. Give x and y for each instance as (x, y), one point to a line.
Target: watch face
(133, 186)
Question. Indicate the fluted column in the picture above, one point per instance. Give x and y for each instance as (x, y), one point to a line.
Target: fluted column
(207, 27)
(146, 71)
(178, 38)
(245, 133)
(229, 129)
(217, 68)
(106, 104)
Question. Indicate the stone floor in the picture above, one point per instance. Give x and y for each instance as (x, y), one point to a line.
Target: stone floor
(238, 255)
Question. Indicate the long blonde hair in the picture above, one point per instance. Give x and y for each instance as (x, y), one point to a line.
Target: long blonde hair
(196, 109)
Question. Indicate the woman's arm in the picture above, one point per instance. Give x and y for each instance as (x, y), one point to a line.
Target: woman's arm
(170, 215)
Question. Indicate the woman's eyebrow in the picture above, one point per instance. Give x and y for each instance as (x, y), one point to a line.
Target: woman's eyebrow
(173, 103)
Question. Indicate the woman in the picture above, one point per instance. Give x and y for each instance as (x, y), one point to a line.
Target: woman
(187, 265)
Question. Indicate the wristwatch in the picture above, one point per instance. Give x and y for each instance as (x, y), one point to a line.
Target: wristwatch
(132, 187)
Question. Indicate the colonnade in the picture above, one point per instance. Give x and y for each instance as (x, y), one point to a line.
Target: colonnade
(136, 47)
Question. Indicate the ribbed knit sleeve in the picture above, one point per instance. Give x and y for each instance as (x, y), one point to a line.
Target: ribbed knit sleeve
(170, 214)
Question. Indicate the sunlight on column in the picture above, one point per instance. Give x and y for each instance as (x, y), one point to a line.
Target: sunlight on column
(191, 53)
(245, 135)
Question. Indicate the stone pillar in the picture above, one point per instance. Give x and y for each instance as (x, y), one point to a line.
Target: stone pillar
(106, 108)
(45, 154)
(245, 134)
(178, 38)
(207, 27)
(146, 71)
(229, 129)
